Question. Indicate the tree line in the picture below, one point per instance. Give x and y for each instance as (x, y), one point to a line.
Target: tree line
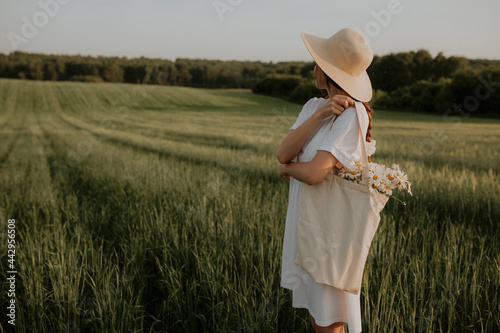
(181, 72)
(413, 81)
(405, 81)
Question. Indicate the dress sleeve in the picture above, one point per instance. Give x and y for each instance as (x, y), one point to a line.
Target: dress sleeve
(304, 114)
(343, 139)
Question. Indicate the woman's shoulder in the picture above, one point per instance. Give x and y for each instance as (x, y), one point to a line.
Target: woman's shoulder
(316, 100)
(313, 103)
(351, 112)
(348, 120)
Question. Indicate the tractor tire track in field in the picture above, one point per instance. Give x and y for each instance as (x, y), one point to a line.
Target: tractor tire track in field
(208, 140)
(24, 162)
(5, 156)
(97, 196)
(9, 150)
(80, 200)
(40, 151)
(234, 168)
(55, 161)
(71, 110)
(10, 105)
(9, 117)
(67, 181)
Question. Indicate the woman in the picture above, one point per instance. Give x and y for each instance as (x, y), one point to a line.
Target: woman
(341, 63)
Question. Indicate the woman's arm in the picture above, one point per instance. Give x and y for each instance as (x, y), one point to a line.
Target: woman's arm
(312, 172)
(293, 143)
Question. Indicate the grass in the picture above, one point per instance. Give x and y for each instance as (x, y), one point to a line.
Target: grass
(159, 209)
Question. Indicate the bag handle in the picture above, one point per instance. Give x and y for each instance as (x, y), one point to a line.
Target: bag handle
(364, 158)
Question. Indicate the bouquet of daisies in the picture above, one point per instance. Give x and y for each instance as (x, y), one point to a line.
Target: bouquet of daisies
(380, 178)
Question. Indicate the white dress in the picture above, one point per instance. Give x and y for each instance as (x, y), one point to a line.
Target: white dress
(325, 303)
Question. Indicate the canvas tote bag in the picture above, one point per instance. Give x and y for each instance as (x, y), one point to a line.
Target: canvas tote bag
(338, 219)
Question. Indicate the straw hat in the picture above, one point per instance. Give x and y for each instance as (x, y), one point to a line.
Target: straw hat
(344, 57)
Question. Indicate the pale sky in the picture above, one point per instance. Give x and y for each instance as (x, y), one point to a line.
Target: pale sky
(245, 29)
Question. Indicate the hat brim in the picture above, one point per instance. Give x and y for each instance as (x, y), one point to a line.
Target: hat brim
(359, 87)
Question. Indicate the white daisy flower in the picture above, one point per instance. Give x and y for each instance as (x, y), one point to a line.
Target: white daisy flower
(380, 178)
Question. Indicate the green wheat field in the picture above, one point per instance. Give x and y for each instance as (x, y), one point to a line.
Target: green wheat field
(160, 209)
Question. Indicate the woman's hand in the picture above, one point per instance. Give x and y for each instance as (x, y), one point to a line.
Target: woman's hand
(282, 170)
(335, 105)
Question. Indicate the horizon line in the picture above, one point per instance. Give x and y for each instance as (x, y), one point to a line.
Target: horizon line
(95, 56)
